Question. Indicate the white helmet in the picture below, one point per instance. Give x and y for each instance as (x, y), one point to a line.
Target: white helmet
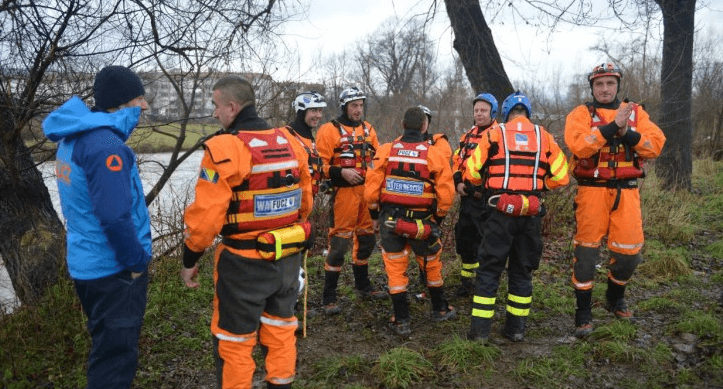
(351, 94)
(427, 112)
(306, 100)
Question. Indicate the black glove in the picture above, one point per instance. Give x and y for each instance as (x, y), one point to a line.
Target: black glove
(190, 257)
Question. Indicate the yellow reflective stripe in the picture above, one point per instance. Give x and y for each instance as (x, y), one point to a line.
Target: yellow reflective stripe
(473, 165)
(420, 229)
(519, 299)
(470, 266)
(466, 274)
(484, 300)
(525, 205)
(482, 313)
(518, 311)
(559, 167)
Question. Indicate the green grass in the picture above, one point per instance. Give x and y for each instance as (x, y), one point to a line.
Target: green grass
(402, 367)
(703, 324)
(464, 355)
(160, 138)
(544, 372)
(679, 283)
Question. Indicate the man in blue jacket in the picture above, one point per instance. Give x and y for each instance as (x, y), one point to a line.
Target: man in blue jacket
(109, 233)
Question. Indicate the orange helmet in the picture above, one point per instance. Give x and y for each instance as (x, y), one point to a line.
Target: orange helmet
(605, 69)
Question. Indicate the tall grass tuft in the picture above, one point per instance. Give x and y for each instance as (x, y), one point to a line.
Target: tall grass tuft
(401, 367)
(460, 354)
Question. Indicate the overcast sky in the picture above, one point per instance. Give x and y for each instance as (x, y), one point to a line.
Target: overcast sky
(333, 25)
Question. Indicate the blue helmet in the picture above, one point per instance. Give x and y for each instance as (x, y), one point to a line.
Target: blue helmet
(513, 100)
(486, 97)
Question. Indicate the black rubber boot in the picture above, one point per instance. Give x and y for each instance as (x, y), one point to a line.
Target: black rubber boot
(479, 329)
(466, 288)
(441, 310)
(400, 322)
(361, 277)
(401, 306)
(583, 313)
(363, 285)
(331, 279)
(514, 329)
(615, 296)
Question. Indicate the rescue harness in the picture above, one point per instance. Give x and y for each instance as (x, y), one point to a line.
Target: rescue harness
(353, 151)
(315, 161)
(615, 161)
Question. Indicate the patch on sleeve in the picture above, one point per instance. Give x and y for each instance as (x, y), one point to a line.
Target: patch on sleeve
(114, 163)
(209, 175)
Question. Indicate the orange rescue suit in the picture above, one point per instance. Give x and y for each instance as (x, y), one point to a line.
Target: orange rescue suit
(604, 204)
(350, 212)
(428, 176)
(230, 170)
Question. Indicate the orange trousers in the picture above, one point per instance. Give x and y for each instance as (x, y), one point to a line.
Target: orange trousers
(350, 220)
(254, 299)
(610, 212)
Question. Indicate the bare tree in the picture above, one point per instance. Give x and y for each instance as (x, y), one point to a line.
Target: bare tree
(474, 43)
(50, 50)
(675, 165)
(396, 68)
(476, 47)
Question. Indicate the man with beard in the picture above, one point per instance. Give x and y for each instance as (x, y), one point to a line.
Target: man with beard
(346, 146)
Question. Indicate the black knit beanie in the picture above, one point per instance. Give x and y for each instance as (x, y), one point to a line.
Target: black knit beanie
(115, 86)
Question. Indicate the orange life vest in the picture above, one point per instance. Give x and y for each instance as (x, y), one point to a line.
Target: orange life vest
(615, 160)
(270, 197)
(315, 162)
(518, 162)
(353, 151)
(469, 144)
(407, 179)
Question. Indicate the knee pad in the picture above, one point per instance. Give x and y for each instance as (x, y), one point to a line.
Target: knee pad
(585, 261)
(337, 249)
(622, 266)
(366, 246)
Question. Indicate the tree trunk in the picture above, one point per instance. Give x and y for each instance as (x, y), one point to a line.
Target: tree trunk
(476, 48)
(32, 238)
(675, 164)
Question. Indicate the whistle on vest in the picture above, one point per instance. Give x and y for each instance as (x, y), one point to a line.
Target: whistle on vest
(416, 229)
(516, 204)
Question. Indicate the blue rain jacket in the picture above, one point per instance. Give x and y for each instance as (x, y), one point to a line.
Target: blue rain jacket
(101, 194)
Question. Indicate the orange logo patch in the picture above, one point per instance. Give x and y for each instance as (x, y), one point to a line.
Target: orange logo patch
(114, 163)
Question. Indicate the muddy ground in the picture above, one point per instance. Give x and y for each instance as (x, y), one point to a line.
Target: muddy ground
(361, 330)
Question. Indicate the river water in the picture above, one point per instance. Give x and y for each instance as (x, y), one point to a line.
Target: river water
(166, 208)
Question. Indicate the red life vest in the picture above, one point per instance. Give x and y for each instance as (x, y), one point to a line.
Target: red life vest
(353, 151)
(615, 160)
(315, 162)
(270, 197)
(407, 179)
(518, 162)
